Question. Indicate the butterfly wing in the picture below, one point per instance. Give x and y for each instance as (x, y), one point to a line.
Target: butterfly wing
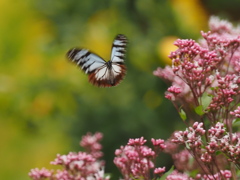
(93, 65)
(88, 61)
(119, 49)
(118, 68)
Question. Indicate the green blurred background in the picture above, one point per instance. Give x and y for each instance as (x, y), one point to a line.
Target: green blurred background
(47, 104)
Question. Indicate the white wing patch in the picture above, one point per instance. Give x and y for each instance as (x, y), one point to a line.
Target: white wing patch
(116, 69)
(102, 73)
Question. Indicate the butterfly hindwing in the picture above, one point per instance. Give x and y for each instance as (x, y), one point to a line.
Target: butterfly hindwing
(102, 73)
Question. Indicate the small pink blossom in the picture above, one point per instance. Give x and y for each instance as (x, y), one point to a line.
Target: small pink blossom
(236, 112)
(206, 157)
(159, 170)
(174, 90)
(165, 73)
(191, 136)
(171, 147)
(137, 141)
(147, 152)
(182, 160)
(38, 174)
(168, 75)
(159, 143)
(218, 130)
(91, 144)
(226, 174)
(175, 175)
(63, 175)
(170, 96)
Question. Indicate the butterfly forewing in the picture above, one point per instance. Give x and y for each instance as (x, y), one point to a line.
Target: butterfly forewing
(87, 60)
(102, 73)
(119, 49)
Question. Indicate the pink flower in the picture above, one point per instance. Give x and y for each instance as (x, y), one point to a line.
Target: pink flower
(171, 147)
(77, 165)
(236, 112)
(206, 157)
(218, 130)
(137, 141)
(219, 26)
(226, 173)
(135, 160)
(159, 143)
(175, 175)
(38, 174)
(183, 161)
(63, 175)
(191, 136)
(174, 90)
(91, 144)
(159, 170)
(166, 73)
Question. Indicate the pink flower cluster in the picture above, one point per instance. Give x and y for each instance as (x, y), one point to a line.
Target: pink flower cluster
(225, 93)
(236, 112)
(91, 144)
(211, 66)
(77, 166)
(205, 85)
(43, 173)
(203, 152)
(191, 136)
(223, 174)
(175, 175)
(135, 160)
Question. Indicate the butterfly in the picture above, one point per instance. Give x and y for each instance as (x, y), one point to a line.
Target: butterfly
(100, 72)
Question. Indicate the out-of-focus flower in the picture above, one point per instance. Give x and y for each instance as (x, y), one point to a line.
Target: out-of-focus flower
(236, 112)
(159, 170)
(175, 175)
(38, 174)
(91, 144)
(77, 166)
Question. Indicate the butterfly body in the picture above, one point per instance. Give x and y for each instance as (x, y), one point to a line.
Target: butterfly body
(100, 72)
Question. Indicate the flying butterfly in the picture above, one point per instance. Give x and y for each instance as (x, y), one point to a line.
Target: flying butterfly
(100, 72)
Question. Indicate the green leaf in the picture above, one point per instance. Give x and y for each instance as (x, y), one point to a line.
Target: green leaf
(218, 152)
(199, 110)
(191, 160)
(193, 173)
(206, 100)
(236, 120)
(183, 115)
(163, 177)
(187, 145)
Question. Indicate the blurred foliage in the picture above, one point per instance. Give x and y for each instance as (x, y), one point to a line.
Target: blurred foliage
(47, 104)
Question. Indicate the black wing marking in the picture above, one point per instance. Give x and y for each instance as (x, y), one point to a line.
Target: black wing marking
(119, 49)
(87, 60)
